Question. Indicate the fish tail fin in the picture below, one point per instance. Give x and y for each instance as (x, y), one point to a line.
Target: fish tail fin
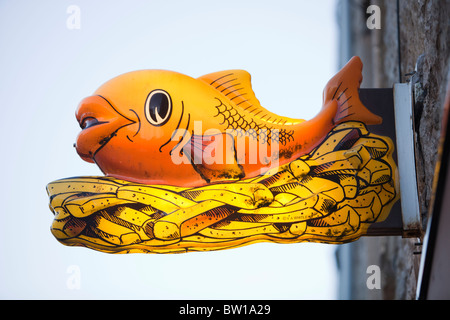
(344, 88)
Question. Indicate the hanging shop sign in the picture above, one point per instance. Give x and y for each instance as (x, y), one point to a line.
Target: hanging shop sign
(197, 164)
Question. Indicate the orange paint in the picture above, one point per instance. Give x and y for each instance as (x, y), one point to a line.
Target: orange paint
(129, 126)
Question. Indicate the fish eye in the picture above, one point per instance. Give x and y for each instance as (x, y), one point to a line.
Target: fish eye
(158, 107)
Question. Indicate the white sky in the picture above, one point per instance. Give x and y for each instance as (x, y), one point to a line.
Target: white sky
(289, 47)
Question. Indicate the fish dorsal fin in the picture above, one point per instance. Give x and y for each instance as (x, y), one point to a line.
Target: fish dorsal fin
(344, 89)
(236, 86)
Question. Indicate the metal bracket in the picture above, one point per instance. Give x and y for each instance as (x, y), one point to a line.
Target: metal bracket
(405, 135)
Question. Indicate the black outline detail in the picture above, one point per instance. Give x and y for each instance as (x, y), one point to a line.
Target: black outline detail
(168, 115)
(178, 125)
(334, 95)
(139, 121)
(110, 104)
(184, 134)
(105, 140)
(227, 75)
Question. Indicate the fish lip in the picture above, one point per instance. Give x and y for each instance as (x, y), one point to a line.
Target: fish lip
(86, 157)
(84, 111)
(85, 126)
(106, 121)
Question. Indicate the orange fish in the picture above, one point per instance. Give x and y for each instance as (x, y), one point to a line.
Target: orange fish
(163, 127)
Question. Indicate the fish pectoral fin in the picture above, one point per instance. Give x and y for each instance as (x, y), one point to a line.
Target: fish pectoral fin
(220, 173)
(214, 157)
(344, 88)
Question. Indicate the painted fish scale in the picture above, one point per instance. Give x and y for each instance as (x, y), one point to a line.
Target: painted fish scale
(258, 131)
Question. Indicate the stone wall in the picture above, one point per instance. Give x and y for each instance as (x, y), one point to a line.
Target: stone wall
(422, 36)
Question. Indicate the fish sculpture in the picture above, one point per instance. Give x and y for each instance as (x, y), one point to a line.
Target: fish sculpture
(199, 165)
(157, 126)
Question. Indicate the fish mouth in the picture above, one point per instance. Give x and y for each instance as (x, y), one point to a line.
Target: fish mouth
(99, 121)
(88, 122)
